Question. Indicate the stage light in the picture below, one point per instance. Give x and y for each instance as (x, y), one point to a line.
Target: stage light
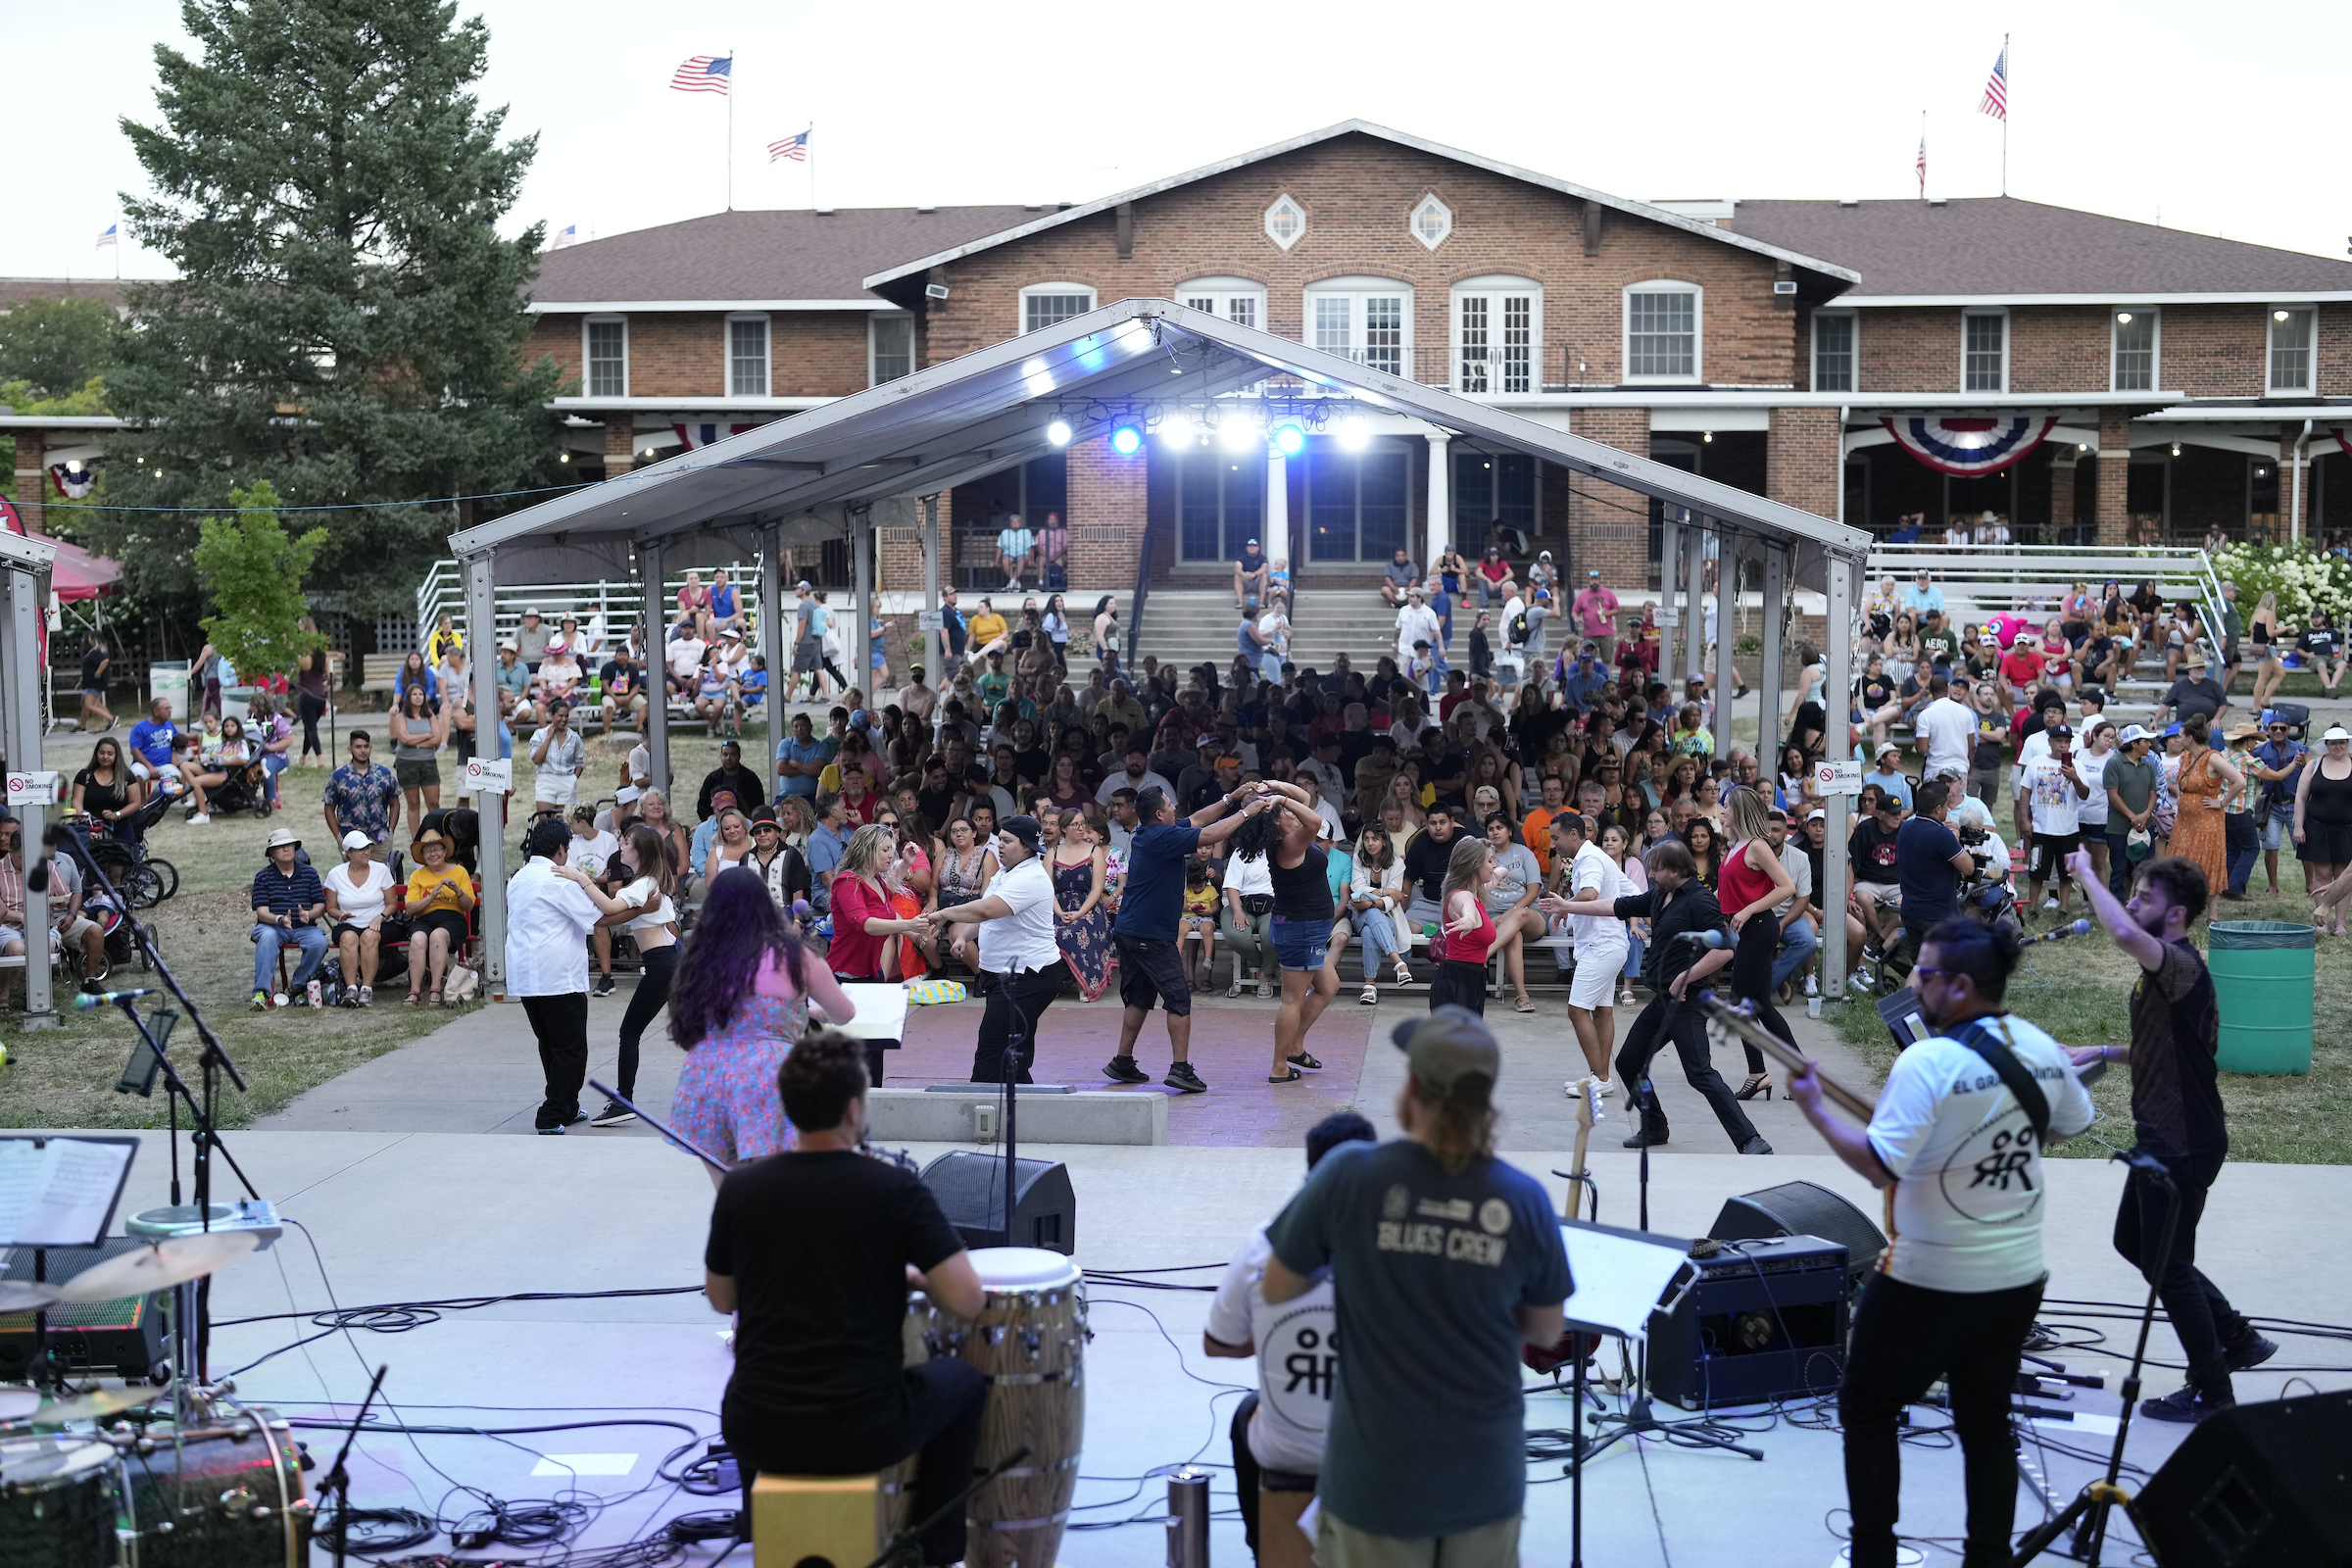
(1708, 437)
(1289, 439)
(1176, 429)
(1237, 433)
(566, 457)
(1355, 434)
(2176, 449)
(1126, 438)
(1058, 432)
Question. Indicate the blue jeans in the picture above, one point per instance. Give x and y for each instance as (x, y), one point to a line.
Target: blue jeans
(2118, 866)
(2243, 840)
(1633, 955)
(1798, 943)
(267, 939)
(1379, 937)
(273, 764)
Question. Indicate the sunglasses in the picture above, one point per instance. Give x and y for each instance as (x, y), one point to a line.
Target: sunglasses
(1920, 971)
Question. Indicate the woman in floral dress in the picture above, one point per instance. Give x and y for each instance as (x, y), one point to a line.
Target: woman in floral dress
(740, 1000)
(2207, 779)
(1080, 864)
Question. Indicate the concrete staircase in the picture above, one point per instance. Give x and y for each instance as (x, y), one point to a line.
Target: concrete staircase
(1186, 626)
(1356, 620)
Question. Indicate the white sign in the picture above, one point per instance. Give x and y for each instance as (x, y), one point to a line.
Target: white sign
(1834, 777)
(489, 775)
(929, 620)
(32, 789)
(1668, 616)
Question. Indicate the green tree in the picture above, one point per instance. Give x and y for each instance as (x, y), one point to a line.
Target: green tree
(56, 346)
(255, 572)
(347, 323)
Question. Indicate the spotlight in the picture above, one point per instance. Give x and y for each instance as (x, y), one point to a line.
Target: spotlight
(1355, 434)
(1126, 438)
(1237, 433)
(1058, 432)
(565, 458)
(2176, 449)
(1289, 439)
(1177, 428)
(1708, 437)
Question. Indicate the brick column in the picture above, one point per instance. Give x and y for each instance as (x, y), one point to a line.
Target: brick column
(1801, 460)
(620, 444)
(1108, 507)
(1601, 533)
(2115, 473)
(33, 477)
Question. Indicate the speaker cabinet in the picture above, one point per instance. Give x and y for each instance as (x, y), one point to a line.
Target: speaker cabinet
(2267, 1485)
(970, 1189)
(1802, 1209)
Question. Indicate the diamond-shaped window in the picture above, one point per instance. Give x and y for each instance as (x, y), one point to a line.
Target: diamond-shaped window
(1286, 221)
(1433, 221)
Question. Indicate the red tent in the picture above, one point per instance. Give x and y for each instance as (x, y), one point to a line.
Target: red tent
(77, 574)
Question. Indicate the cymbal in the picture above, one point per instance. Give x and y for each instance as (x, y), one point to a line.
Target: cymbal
(18, 1401)
(159, 1268)
(95, 1406)
(22, 1296)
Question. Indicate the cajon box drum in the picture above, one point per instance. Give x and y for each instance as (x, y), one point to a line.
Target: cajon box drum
(829, 1518)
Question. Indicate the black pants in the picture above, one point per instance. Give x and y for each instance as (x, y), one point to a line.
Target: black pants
(1015, 1003)
(1751, 979)
(938, 1416)
(1662, 1019)
(1905, 1337)
(1460, 984)
(312, 709)
(561, 1024)
(652, 990)
(2202, 1318)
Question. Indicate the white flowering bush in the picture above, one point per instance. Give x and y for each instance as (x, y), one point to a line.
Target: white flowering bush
(2297, 573)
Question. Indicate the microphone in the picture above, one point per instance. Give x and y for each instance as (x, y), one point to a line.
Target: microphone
(89, 1001)
(2080, 928)
(1707, 939)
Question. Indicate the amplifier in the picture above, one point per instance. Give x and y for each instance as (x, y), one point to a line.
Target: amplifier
(122, 1339)
(1804, 1208)
(1765, 1319)
(970, 1189)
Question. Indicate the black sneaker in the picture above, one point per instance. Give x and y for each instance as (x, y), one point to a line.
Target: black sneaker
(613, 1115)
(2184, 1405)
(1181, 1076)
(1642, 1140)
(1123, 1070)
(2249, 1351)
(549, 1132)
(603, 986)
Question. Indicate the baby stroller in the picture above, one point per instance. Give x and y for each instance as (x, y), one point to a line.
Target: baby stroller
(143, 879)
(246, 790)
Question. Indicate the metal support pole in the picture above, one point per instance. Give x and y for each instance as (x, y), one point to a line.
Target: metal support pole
(656, 622)
(935, 643)
(1669, 570)
(1440, 533)
(1695, 611)
(771, 631)
(1278, 505)
(27, 590)
(859, 667)
(1836, 701)
(480, 588)
(1727, 619)
(1768, 674)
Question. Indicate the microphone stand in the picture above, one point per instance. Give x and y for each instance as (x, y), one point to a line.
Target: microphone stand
(902, 1547)
(338, 1477)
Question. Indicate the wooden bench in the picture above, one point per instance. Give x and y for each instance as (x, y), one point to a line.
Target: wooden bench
(380, 672)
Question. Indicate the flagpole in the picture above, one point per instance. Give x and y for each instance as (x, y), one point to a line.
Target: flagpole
(808, 155)
(731, 129)
(2006, 78)
(1922, 154)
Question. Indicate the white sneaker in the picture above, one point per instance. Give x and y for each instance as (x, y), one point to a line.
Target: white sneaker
(199, 819)
(1812, 985)
(1859, 981)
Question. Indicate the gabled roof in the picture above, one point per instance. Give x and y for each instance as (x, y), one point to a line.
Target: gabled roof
(15, 292)
(1361, 127)
(772, 259)
(1996, 249)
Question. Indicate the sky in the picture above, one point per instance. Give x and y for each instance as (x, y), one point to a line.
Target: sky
(2156, 111)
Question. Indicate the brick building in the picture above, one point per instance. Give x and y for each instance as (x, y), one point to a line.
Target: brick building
(2159, 384)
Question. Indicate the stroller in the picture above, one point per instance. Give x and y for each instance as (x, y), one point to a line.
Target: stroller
(246, 790)
(143, 879)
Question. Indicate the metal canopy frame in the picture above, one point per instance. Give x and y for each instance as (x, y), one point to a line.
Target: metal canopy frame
(25, 568)
(884, 454)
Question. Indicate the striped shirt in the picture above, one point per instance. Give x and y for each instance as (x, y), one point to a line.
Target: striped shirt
(286, 892)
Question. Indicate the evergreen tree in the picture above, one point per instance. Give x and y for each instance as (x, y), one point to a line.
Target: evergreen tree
(54, 347)
(346, 321)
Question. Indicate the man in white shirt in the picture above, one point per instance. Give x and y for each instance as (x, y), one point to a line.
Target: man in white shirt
(1956, 1292)
(1138, 777)
(1415, 622)
(1600, 942)
(1016, 551)
(1277, 1430)
(1945, 730)
(2056, 791)
(1021, 950)
(550, 907)
(684, 656)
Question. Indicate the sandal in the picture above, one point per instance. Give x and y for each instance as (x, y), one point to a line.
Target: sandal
(436, 1000)
(412, 1002)
(1302, 1059)
(1371, 995)
(1523, 1004)
(1405, 971)
(1289, 1077)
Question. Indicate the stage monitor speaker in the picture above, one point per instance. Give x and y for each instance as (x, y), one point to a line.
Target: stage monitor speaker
(1765, 1320)
(2267, 1485)
(970, 1189)
(1802, 1209)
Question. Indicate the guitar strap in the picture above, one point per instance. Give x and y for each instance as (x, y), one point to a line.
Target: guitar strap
(1980, 1038)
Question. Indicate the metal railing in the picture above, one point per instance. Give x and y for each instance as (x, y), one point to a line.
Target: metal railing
(612, 606)
(2024, 576)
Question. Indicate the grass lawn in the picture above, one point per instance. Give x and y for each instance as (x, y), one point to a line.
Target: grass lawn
(2081, 992)
(64, 1077)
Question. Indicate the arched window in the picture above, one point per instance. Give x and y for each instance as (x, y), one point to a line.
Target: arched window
(1498, 334)
(1662, 322)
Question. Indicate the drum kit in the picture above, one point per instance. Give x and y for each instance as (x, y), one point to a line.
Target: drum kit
(107, 1480)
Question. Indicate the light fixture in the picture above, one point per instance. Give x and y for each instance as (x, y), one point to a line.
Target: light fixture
(563, 457)
(2124, 317)
(2277, 316)
(1354, 434)
(1177, 428)
(2176, 449)
(1289, 439)
(1058, 432)
(2081, 446)
(1126, 438)
(1237, 433)
(1707, 436)
(2262, 473)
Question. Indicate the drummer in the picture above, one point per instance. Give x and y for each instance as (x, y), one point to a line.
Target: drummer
(815, 1249)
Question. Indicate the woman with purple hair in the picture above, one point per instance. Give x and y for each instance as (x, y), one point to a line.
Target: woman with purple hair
(740, 1001)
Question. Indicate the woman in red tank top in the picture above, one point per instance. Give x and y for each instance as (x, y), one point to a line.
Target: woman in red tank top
(1466, 931)
(1751, 885)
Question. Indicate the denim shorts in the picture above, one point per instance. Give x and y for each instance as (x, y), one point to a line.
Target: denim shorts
(1300, 944)
(2277, 829)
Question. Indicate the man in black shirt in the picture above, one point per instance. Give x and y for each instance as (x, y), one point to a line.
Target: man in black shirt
(1425, 860)
(730, 775)
(1870, 859)
(935, 798)
(815, 1249)
(2195, 699)
(1677, 905)
(2176, 1117)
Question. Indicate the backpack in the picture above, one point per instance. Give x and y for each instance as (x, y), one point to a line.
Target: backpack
(1517, 630)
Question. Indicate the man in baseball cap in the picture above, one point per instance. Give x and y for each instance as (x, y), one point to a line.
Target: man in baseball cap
(1430, 1240)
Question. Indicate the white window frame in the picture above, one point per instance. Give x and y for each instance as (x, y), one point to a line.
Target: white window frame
(767, 352)
(1285, 203)
(2270, 386)
(1985, 313)
(1223, 294)
(1494, 290)
(1698, 331)
(1853, 338)
(1357, 291)
(587, 358)
(1430, 203)
(1040, 290)
(2115, 350)
(873, 354)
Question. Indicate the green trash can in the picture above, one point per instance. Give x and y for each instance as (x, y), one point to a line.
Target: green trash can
(2264, 977)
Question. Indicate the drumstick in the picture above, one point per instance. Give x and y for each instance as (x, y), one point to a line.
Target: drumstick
(658, 1127)
(1787, 1055)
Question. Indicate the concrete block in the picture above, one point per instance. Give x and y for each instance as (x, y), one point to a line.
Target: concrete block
(950, 1115)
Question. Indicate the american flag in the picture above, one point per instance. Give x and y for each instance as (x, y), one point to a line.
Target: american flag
(108, 237)
(794, 148)
(1996, 88)
(565, 237)
(705, 74)
(1922, 165)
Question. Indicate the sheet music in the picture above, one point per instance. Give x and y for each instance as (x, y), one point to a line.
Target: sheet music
(881, 1011)
(1619, 1281)
(61, 1192)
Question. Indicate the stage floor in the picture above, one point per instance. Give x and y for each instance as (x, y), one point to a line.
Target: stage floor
(421, 1217)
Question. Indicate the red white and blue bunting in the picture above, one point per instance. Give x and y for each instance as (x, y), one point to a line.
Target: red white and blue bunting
(73, 480)
(709, 432)
(1970, 446)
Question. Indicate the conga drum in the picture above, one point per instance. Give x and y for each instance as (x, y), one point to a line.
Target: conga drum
(1030, 1340)
(893, 1508)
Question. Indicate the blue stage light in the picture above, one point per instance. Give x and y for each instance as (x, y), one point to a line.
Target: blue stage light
(1126, 438)
(1289, 439)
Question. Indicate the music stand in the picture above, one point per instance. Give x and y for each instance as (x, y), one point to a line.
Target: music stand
(58, 1192)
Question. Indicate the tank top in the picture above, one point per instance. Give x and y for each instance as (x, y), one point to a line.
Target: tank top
(2331, 799)
(1469, 947)
(1301, 892)
(1738, 884)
